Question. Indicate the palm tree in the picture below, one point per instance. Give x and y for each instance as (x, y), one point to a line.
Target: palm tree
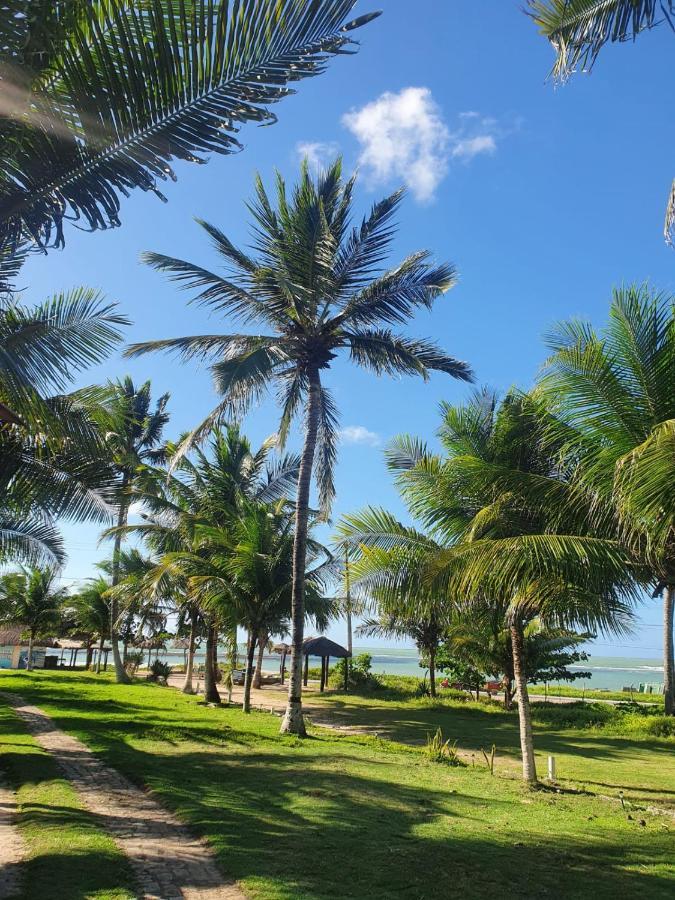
(579, 29)
(398, 556)
(515, 529)
(29, 598)
(312, 283)
(250, 565)
(52, 457)
(92, 611)
(613, 393)
(207, 488)
(101, 96)
(133, 435)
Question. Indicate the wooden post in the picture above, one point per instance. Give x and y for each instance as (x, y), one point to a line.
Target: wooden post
(306, 676)
(323, 674)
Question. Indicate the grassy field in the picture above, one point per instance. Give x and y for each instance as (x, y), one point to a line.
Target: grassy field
(69, 855)
(597, 747)
(351, 816)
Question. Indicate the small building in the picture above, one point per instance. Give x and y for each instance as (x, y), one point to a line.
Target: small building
(14, 649)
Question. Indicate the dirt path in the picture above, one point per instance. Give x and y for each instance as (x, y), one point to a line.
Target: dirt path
(168, 862)
(12, 848)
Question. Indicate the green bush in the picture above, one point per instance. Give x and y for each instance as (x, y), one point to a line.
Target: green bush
(159, 669)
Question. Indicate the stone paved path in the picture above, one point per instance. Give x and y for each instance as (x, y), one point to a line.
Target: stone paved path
(12, 849)
(168, 862)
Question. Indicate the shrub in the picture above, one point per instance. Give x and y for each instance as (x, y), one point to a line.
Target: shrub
(360, 676)
(159, 670)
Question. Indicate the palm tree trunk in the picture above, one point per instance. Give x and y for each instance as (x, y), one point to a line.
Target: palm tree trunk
(668, 664)
(293, 722)
(432, 671)
(29, 661)
(100, 654)
(121, 675)
(524, 714)
(211, 694)
(506, 684)
(262, 643)
(189, 664)
(248, 677)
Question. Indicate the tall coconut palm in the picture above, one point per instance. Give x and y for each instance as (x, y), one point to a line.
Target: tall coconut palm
(101, 96)
(133, 437)
(31, 599)
(613, 391)
(312, 281)
(516, 529)
(52, 456)
(579, 29)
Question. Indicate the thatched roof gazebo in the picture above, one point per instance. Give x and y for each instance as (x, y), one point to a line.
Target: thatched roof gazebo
(325, 648)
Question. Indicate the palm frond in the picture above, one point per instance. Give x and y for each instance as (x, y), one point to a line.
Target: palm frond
(132, 87)
(384, 352)
(579, 29)
(31, 540)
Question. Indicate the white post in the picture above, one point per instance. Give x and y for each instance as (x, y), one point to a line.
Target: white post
(551, 768)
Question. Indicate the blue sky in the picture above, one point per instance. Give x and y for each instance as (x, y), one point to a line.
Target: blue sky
(544, 198)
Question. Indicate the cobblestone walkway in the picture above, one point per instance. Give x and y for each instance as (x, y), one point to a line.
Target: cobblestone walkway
(12, 849)
(168, 862)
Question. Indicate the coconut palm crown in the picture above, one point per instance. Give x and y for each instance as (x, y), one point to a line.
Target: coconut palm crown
(316, 285)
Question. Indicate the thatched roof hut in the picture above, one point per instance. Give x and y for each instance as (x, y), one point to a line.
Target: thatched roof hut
(325, 648)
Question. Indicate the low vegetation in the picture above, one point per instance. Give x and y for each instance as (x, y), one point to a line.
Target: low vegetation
(354, 815)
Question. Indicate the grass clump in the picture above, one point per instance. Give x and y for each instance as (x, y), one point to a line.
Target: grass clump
(440, 750)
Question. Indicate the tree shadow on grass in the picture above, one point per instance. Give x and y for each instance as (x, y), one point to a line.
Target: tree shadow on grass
(337, 825)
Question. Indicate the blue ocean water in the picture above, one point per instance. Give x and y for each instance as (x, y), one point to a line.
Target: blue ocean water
(607, 672)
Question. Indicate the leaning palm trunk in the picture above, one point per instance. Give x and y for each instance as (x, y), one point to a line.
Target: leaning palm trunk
(121, 674)
(257, 677)
(248, 677)
(211, 694)
(668, 669)
(293, 722)
(189, 664)
(524, 714)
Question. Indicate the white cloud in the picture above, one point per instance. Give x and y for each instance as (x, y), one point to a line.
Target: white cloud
(358, 434)
(404, 136)
(467, 148)
(317, 153)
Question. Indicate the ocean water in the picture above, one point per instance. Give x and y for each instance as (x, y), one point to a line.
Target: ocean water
(607, 672)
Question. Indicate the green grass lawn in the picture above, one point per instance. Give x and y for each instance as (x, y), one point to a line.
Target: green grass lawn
(615, 755)
(353, 817)
(69, 855)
